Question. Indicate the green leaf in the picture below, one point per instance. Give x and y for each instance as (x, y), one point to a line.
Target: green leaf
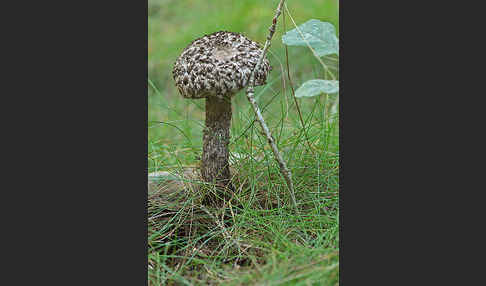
(321, 36)
(315, 87)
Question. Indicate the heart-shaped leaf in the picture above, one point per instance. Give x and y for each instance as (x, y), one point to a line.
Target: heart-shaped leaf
(321, 36)
(315, 87)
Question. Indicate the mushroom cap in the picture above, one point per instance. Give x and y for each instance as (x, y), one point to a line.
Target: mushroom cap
(218, 64)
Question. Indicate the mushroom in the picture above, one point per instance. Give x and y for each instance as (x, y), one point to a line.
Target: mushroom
(216, 67)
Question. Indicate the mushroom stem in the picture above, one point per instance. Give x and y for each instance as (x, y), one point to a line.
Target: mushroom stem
(215, 167)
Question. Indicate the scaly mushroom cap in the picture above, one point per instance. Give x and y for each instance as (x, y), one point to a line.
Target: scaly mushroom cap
(218, 64)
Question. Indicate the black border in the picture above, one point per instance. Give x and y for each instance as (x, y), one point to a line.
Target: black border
(400, 80)
(78, 189)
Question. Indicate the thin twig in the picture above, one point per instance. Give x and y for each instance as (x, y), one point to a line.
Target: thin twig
(251, 124)
(250, 91)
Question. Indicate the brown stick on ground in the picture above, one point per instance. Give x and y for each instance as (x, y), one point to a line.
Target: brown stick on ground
(250, 91)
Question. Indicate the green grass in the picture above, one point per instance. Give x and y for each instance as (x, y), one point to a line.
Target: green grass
(256, 238)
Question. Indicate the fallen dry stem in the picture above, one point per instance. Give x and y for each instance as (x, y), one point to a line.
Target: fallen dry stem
(250, 91)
